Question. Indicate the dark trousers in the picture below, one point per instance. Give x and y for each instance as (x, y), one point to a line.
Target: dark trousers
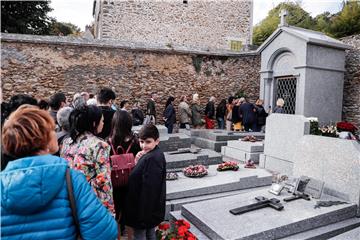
(170, 127)
(144, 234)
(221, 123)
(248, 126)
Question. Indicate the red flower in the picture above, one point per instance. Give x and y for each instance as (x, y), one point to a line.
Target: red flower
(164, 226)
(182, 230)
(346, 126)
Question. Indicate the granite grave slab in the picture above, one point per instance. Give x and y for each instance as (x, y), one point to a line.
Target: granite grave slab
(243, 151)
(172, 142)
(216, 182)
(204, 156)
(297, 216)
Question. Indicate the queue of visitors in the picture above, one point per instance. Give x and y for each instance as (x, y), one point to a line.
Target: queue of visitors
(65, 161)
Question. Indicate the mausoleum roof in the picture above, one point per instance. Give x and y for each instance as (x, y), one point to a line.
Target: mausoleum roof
(309, 36)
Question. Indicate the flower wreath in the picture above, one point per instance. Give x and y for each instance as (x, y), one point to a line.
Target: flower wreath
(230, 165)
(195, 171)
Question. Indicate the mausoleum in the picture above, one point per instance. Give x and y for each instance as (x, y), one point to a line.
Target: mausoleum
(305, 68)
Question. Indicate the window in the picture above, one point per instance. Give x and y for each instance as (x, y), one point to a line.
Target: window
(235, 45)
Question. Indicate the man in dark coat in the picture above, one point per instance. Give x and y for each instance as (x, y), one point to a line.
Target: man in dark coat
(248, 112)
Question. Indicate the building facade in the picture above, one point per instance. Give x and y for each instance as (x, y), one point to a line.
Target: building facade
(193, 24)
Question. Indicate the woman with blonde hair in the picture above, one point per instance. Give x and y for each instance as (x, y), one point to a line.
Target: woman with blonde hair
(196, 112)
(41, 198)
(279, 106)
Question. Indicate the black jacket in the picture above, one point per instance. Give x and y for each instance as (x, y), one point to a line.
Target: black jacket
(261, 115)
(137, 117)
(170, 115)
(108, 114)
(210, 110)
(145, 201)
(150, 108)
(247, 110)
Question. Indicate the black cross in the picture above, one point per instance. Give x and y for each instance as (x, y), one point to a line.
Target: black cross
(262, 202)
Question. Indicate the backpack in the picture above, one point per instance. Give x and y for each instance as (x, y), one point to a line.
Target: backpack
(122, 164)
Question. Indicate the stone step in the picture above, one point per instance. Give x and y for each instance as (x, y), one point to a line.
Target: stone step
(350, 235)
(205, 157)
(217, 182)
(162, 129)
(217, 222)
(348, 229)
(240, 155)
(336, 231)
(209, 144)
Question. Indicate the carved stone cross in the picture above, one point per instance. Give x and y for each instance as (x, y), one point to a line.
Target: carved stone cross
(282, 15)
(262, 202)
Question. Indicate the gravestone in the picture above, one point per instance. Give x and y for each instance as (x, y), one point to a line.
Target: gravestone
(332, 160)
(350, 235)
(243, 151)
(283, 131)
(216, 222)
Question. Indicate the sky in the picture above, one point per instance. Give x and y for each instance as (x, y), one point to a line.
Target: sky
(79, 12)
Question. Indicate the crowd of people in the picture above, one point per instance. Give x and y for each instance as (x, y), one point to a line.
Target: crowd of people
(63, 172)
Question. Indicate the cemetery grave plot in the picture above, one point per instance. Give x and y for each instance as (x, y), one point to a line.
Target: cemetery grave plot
(216, 222)
(243, 151)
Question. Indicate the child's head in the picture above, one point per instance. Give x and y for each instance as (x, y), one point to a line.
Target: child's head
(149, 137)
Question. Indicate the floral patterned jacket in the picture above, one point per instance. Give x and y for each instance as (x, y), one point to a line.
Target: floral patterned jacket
(90, 155)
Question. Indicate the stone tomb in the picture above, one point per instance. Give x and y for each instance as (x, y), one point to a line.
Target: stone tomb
(215, 139)
(216, 222)
(215, 184)
(243, 151)
(174, 141)
(283, 132)
(204, 156)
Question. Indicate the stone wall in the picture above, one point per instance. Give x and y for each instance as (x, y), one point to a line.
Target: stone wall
(41, 66)
(351, 102)
(196, 24)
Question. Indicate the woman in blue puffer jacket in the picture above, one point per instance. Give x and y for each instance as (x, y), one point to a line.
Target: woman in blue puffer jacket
(34, 196)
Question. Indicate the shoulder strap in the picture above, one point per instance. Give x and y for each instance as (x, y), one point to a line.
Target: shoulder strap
(130, 145)
(72, 201)
(113, 149)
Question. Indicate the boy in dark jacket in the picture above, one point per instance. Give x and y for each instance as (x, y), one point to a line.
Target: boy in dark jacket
(145, 203)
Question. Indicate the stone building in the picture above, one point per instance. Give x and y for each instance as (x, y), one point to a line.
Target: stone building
(193, 24)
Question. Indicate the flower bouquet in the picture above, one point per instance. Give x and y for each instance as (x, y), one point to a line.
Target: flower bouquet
(195, 171)
(230, 165)
(177, 230)
(328, 131)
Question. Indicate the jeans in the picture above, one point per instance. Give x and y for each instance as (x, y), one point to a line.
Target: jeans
(144, 234)
(170, 127)
(221, 123)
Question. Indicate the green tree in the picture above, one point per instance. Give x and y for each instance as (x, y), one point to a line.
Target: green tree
(63, 29)
(323, 22)
(296, 17)
(26, 17)
(347, 21)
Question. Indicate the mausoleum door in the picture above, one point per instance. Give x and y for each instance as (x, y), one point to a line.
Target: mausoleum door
(285, 88)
